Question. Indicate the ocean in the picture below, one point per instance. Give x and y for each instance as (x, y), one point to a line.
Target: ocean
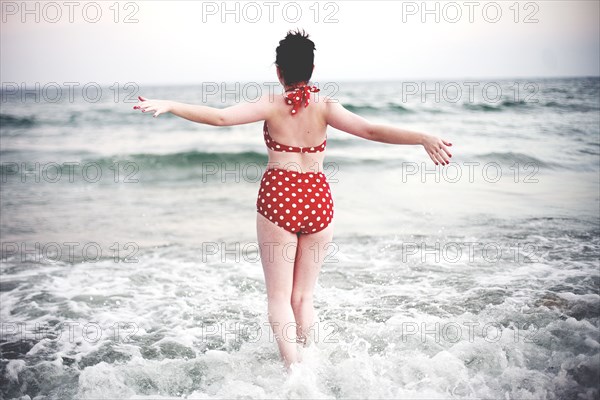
(129, 266)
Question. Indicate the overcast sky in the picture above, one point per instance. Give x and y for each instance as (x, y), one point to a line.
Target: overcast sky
(188, 41)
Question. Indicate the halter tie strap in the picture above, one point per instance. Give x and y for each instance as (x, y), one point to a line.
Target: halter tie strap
(300, 95)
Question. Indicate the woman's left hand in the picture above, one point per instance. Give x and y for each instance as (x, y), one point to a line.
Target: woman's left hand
(158, 106)
(436, 148)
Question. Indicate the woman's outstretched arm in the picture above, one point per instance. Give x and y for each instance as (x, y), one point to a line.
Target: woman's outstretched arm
(344, 120)
(238, 114)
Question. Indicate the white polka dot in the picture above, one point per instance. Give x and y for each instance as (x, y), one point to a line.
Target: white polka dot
(280, 204)
(313, 212)
(274, 211)
(281, 217)
(294, 205)
(322, 225)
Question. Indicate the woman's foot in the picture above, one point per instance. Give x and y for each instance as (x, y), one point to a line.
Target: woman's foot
(292, 367)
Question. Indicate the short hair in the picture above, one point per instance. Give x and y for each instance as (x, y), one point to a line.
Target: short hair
(295, 57)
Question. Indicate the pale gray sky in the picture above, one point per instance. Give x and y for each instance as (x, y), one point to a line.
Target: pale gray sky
(187, 41)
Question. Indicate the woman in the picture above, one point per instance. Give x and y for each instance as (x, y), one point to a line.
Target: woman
(294, 205)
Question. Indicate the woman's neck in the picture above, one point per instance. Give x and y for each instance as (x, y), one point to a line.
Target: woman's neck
(287, 88)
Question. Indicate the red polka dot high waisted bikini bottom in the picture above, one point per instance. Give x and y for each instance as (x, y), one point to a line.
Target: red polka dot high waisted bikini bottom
(299, 202)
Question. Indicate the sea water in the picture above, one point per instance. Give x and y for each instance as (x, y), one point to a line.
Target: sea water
(130, 270)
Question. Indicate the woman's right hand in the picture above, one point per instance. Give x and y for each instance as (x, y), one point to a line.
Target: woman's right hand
(158, 106)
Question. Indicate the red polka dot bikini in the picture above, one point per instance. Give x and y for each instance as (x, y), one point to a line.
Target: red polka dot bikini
(299, 202)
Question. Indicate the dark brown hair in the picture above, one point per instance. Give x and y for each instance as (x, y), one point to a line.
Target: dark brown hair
(295, 57)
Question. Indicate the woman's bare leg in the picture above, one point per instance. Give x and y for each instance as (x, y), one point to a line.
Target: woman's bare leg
(277, 253)
(312, 249)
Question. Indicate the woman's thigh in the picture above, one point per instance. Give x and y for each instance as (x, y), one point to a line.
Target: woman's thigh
(312, 250)
(277, 252)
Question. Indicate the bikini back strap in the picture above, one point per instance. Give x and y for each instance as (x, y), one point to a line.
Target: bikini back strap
(273, 145)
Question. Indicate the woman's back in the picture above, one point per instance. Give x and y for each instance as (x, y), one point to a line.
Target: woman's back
(307, 128)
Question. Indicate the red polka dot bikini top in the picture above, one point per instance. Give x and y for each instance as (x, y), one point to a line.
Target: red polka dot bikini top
(300, 95)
